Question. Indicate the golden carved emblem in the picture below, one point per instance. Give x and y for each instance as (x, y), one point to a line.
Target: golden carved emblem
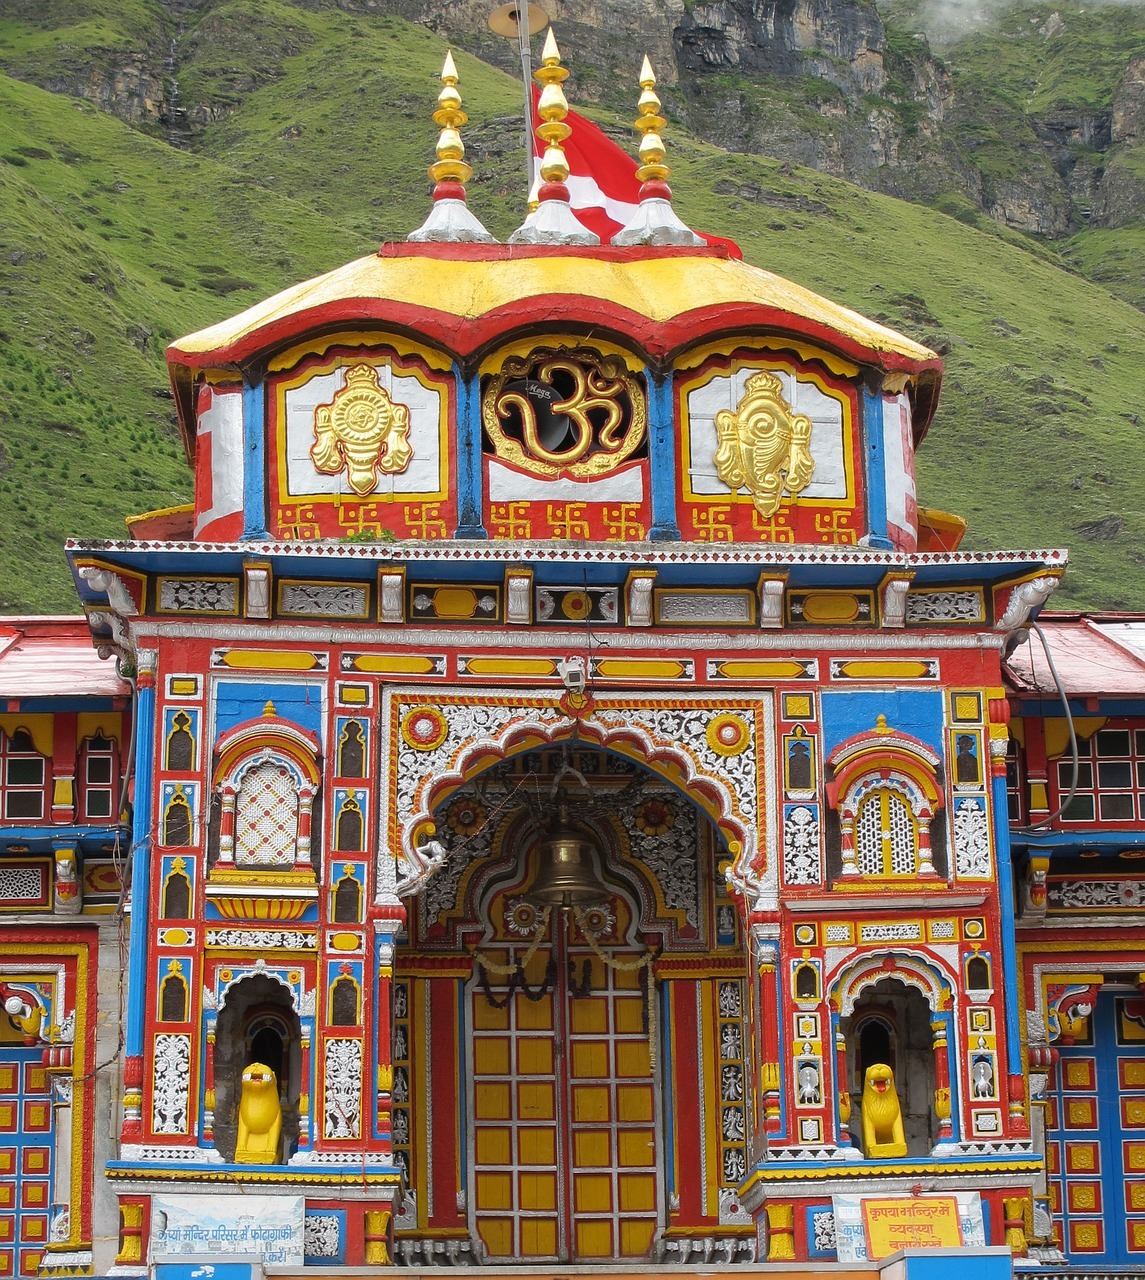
(564, 412)
(361, 430)
(763, 446)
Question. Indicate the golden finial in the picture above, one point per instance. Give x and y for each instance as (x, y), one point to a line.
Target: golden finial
(652, 166)
(450, 164)
(270, 709)
(552, 108)
(534, 200)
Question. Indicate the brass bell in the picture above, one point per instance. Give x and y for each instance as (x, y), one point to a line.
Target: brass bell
(567, 875)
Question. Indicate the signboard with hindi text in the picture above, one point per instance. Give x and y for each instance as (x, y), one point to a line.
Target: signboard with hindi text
(267, 1227)
(892, 1223)
(870, 1228)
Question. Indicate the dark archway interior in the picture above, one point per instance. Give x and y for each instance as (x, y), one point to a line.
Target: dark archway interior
(891, 1025)
(257, 1024)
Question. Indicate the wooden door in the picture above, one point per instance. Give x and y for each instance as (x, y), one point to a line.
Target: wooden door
(565, 1136)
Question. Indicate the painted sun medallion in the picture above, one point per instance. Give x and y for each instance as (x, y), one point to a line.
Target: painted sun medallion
(763, 446)
(728, 735)
(361, 431)
(424, 728)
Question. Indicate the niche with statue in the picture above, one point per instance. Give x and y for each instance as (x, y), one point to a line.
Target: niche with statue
(890, 1029)
(257, 1028)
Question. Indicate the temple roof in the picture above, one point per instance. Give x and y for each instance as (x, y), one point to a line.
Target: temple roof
(52, 657)
(465, 298)
(1101, 656)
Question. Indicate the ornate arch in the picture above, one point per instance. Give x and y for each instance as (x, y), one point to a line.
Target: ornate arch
(707, 748)
(257, 970)
(922, 973)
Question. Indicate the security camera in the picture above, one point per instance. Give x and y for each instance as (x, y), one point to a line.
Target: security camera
(572, 672)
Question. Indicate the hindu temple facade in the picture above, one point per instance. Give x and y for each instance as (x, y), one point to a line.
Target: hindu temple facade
(570, 810)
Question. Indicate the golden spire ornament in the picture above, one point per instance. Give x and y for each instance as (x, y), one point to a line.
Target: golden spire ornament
(554, 221)
(450, 219)
(655, 221)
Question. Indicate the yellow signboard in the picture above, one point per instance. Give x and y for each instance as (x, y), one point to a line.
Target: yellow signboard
(910, 1222)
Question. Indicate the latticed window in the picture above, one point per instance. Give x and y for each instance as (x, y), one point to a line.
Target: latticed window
(23, 777)
(266, 817)
(886, 835)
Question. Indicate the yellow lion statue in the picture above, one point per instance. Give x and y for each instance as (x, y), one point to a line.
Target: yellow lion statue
(260, 1117)
(883, 1136)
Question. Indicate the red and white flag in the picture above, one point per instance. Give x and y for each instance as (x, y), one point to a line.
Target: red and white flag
(604, 191)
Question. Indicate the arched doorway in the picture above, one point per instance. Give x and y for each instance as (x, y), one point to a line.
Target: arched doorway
(583, 1076)
(258, 1023)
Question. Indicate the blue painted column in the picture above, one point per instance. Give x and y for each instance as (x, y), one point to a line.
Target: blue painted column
(468, 456)
(662, 459)
(874, 453)
(254, 460)
(1010, 990)
(140, 864)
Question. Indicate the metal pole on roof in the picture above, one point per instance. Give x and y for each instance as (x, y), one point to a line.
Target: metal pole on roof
(519, 19)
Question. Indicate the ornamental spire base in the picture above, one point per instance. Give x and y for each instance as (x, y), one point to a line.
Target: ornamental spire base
(656, 222)
(450, 221)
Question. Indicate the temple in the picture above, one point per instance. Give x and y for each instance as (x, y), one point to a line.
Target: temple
(572, 791)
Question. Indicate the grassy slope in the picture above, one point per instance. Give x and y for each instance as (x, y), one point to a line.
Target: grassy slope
(1029, 443)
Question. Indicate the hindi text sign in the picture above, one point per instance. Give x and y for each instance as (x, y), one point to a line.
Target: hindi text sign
(892, 1223)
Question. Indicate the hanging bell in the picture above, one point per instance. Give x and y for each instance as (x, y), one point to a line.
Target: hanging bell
(566, 876)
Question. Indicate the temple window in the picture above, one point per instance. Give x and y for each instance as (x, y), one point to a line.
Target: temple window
(349, 833)
(352, 752)
(886, 835)
(180, 744)
(344, 1003)
(99, 775)
(177, 823)
(1110, 778)
(176, 904)
(347, 901)
(23, 772)
(173, 995)
(266, 816)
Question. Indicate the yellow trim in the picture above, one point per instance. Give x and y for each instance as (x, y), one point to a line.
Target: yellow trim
(445, 390)
(132, 521)
(876, 1169)
(103, 724)
(269, 659)
(40, 727)
(763, 669)
(526, 346)
(395, 664)
(694, 357)
(319, 346)
(659, 288)
(1056, 731)
(729, 369)
(144, 1174)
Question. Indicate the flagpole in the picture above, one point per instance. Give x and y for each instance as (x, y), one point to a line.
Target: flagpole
(521, 19)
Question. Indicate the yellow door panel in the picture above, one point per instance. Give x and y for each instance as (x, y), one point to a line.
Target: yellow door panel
(594, 1239)
(493, 1146)
(590, 1059)
(494, 1191)
(636, 1237)
(590, 1104)
(534, 1056)
(537, 1190)
(535, 1100)
(538, 1237)
(591, 1149)
(634, 1103)
(589, 1015)
(537, 1146)
(626, 978)
(491, 1101)
(497, 1233)
(486, 1018)
(636, 1192)
(628, 1016)
(535, 1015)
(636, 1148)
(491, 1055)
(592, 1193)
(632, 1059)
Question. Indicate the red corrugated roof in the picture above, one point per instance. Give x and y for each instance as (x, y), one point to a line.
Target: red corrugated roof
(1095, 656)
(53, 657)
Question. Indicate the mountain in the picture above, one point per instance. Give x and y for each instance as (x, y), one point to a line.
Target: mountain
(165, 164)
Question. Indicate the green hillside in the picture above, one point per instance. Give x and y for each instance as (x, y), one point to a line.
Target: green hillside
(112, 242)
